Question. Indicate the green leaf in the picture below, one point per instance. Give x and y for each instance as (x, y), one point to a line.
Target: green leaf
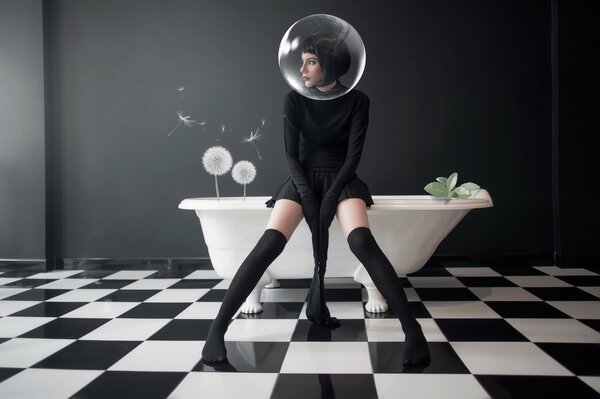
(470, 186)
(442, 180)
(437, 189)
(462, 192)
(452, 181)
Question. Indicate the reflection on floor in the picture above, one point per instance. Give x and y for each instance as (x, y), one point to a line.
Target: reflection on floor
(136, 330)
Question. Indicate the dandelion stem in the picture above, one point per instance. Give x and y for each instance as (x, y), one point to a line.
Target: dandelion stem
(217, 187)
(256, 150)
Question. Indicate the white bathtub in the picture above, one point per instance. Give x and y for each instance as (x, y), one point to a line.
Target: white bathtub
(408, 228)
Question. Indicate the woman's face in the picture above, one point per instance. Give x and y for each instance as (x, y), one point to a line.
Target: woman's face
(312, 74)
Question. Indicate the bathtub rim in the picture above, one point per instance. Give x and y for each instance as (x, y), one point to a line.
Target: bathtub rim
(480, 198)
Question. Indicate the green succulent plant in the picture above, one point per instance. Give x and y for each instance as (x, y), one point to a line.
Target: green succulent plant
(446, 187)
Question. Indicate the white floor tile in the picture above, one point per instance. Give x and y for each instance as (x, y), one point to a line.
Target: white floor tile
(225, 385)
(25, 352)
(10, 307)
(594, 382)
(555, 330)
(538, 281)
(460, 310)
(261, 330)
(341, 310)
(67, 283)
(151, 284)
(503, 294)
(202, 275)
(161, 356)
(178, 295)
(390, 330)
(435, 282)
(100, 310)
(578, 309)
(327, 357)
(49, 383)
(283, 294)
(8, 292)
(222, 285)
(82, 295)
(423, 386)
(564, 271)
(473, 272)
(129, 274)
(200, 310)
(126, 330)
(56, 274)
(511, 358)
(14, 326)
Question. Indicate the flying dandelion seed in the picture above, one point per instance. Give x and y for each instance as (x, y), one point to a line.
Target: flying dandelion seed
(181, 89)
(224, 129)
(182, 119)
(263, 122)
(243, 172)
(203, 124)
(253, 137)
(217, 161)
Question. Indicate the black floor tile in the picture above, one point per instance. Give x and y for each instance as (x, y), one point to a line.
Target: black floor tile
(196, 283)
(275, 310)
(416, 307)
(561, 294)
(580, 358)
(155, 310)
(6, 372)
(581, 281)
(35, 294)
(342, 295)
(486, 282)
(348, 331)
(107, 284)
(65, 328)
(479, 330)
(527, 387)
(213, 296)
(27, 282)
(129, 296)
(526, 310)
(183, 330)
(252, 357)
(88, 355)
(131, 385)
(49, 309)
(303, 386)
(446, 294)
(517, 271)
(386, 357)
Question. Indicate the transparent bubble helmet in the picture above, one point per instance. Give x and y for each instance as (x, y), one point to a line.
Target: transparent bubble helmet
(339, 50)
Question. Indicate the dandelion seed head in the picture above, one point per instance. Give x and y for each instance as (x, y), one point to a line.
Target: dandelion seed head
(217, 160)
(243, 172)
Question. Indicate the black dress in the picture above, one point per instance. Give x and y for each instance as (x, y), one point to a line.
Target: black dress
(323, 143)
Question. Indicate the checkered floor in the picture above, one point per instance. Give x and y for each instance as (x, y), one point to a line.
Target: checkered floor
(110, 330)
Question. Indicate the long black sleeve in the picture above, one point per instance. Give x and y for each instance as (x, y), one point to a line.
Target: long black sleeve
(292, 144)
(356, 139)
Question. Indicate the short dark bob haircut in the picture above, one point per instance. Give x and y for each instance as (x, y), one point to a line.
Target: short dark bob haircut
(333, 55)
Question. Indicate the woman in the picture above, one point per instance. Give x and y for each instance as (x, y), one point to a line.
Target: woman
(323, 142)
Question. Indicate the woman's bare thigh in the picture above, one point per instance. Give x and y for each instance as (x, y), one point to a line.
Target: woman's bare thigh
(285, 217)
(352, 213)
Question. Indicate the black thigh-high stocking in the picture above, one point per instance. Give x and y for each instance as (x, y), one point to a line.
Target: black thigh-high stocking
(363, 245)
(268, 248)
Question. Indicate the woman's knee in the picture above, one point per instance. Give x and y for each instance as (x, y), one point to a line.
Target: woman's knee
(285, 217)
(352, 213)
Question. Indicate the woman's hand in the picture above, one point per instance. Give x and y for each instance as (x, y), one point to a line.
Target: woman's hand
(328, 209)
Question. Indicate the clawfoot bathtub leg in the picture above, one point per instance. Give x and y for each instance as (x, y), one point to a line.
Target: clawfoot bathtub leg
(252, 304)
(375, 303)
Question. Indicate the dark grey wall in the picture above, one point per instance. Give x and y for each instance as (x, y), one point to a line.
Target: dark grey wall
(21, 130)
(455, 86)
